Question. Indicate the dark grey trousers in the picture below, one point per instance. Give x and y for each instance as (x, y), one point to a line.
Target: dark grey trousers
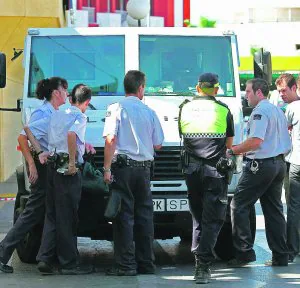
(293, 210)
(265, 185)
(134, 223)
(60, 228)
(207, 193)
(32, 215)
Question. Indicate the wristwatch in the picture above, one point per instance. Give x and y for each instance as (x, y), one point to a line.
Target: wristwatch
(106, 169)
(38, 153)
(230, 152)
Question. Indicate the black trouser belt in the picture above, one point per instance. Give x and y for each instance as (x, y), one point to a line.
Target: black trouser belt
(124, 160)
(134, 163)
(278, 157)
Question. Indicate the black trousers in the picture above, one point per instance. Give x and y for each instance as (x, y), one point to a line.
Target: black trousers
(32, 215)
(265, 185)
(293, 210)
(207, 193)
(134, 223)
(59, 235)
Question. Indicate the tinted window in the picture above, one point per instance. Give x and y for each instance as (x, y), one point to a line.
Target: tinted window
(97, 61)
(172, 64)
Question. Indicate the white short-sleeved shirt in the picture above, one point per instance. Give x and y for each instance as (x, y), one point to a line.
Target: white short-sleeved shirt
(43, 112)
(59, 124)
(268, 123)
(292, 114)
(136, 126)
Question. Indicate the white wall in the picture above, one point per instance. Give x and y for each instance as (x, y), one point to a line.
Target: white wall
(223, 11)
(278, 38)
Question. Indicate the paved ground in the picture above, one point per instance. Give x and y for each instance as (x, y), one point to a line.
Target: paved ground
(174, 264)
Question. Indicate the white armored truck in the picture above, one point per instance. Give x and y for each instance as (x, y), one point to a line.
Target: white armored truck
(172, 59)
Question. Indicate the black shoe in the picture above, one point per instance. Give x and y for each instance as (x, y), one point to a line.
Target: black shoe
(274, 262)
(143, 270)
(202, 273)
(238, 263)
(76, 270)
(45, 268)
(5, 268)
(120, 272)
(291, 258)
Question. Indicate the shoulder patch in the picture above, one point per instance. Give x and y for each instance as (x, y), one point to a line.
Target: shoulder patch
(257, 117)
(108, 114)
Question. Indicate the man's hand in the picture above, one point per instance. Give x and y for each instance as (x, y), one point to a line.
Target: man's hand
(229, 153)
(43, 157)
(89, 148)
(33, 175)
(107, 177)
(72, 170)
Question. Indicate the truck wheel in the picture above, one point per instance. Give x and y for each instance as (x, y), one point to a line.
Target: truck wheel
(21, 184)
(28, 248)
(224, 246)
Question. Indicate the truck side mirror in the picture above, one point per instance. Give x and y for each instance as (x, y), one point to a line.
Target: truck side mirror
(2, 70)
(263, 65)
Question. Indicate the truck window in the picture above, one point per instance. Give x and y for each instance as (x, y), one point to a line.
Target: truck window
(97, 61)
(173, 64)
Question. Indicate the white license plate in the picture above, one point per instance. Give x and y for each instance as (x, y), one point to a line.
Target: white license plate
(172, 205)
(177, 205)
(158, 205)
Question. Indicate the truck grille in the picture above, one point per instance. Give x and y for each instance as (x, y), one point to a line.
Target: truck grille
(167, 163)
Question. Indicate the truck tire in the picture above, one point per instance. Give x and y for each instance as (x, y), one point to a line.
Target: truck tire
(21, 184)
(28, 248)
(224, 246)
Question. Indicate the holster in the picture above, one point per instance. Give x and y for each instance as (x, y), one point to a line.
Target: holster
(58, 160)
(226, 167)
(184, 159)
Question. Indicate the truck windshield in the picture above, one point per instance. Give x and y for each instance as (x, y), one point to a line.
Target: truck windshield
(172, 64)
(97, 61)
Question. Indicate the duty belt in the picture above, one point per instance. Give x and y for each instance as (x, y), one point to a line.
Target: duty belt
(61, 160)
(124, 160)
(278, 157)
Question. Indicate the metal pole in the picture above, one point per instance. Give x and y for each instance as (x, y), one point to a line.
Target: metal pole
(122, 5)
(148, 16)
(108, 6)
(89, 3)
(139, 23)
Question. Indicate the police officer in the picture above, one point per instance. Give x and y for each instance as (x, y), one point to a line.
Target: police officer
(268, 141)
(53, 91)
(132, 131)
(207, 129)
(66, 136)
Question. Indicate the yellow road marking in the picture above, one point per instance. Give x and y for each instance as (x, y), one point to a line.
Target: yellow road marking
(8, 195)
